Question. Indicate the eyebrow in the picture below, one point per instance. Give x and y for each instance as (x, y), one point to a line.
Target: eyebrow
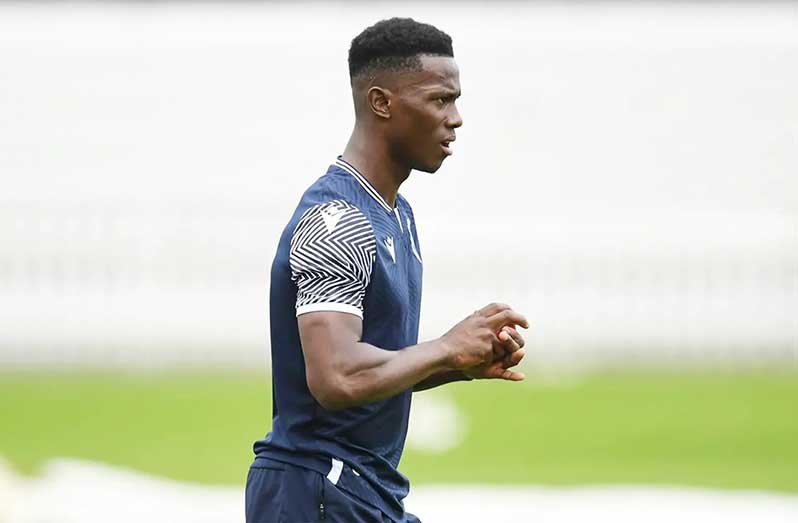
(447, 91)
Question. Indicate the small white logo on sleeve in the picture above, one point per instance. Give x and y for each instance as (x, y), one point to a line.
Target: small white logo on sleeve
(331, 215)
(389, 244)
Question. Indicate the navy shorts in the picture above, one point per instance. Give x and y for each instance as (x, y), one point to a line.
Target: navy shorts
(283, 493)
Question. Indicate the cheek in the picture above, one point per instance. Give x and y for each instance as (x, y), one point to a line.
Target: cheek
(417, 127)
(428, 128)
(425, 117)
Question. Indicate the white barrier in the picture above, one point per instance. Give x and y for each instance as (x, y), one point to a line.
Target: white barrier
(71, 491)
(625, 177)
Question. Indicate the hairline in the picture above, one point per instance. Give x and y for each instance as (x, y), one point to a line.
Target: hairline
(414, 65)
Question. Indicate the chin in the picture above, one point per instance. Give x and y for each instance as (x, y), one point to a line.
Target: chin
(430, 167)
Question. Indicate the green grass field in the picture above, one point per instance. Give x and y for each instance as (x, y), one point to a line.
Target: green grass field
(724, 430)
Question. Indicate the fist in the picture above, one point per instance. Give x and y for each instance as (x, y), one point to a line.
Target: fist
(474, 341)
(469, 343)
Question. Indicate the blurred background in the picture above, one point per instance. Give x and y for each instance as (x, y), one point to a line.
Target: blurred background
(625, 177)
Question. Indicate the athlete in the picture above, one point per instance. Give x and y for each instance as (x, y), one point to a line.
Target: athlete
(346, 293)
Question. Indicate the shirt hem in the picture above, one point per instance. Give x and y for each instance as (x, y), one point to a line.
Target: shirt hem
(330, 307)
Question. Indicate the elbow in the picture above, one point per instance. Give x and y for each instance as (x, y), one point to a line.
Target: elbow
(332, 392)
(331, 400)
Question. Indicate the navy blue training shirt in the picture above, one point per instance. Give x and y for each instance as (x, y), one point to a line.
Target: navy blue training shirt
(345, 249)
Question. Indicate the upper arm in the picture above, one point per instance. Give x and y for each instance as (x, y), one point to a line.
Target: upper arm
(329, 342)
(332, 254)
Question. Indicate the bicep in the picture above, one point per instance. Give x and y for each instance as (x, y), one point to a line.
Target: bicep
(329, 340)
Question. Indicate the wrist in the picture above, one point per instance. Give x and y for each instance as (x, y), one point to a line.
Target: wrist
(444, 355)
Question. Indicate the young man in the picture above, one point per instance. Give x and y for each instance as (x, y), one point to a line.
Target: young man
(345, 298)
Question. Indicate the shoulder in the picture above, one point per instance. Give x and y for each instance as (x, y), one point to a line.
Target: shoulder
(336, 185)
(332, 252)
(333, 219)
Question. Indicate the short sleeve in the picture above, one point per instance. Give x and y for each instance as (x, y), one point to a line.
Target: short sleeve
(332, 254)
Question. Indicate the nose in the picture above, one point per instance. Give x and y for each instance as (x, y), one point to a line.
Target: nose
(455, 120)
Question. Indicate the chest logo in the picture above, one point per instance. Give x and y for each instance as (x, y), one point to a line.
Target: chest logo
(331, 216)
(391, 249)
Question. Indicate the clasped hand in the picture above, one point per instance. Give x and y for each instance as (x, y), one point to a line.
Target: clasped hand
(486, 345)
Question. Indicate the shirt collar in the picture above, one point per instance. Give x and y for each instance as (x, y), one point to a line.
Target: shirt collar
(346, 166)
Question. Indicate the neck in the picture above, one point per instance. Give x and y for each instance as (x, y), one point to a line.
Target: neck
(370, 155)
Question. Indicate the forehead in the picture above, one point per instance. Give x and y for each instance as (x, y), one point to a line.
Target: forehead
(437, 73)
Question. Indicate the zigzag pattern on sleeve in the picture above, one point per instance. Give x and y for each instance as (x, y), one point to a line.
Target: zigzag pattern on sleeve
(332, 253)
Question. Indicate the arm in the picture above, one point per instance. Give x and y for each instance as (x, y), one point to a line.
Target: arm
(441, 378)
(333, 248)
(342, 371)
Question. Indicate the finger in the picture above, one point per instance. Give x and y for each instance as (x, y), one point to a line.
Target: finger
(499, 349)
(494, 370)
(515, 335)
(512, 375)
(507, 317)
(508, 341)
(498, 371)
(492, 308)
(511, 360)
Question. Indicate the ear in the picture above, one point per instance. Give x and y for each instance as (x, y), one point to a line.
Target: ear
(379, 100)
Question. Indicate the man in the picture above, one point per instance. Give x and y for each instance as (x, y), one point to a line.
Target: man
(346, 293)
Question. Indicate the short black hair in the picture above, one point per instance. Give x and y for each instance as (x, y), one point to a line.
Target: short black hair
(395, 44)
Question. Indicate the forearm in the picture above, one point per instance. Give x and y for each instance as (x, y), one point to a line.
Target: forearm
(369, 373)
(441, 378)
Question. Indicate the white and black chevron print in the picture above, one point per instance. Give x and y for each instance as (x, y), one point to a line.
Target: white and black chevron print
(332, 253)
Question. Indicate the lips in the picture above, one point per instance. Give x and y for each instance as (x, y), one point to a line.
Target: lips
(445, 145)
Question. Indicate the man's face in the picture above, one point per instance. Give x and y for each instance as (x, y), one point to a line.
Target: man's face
(423, 113)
